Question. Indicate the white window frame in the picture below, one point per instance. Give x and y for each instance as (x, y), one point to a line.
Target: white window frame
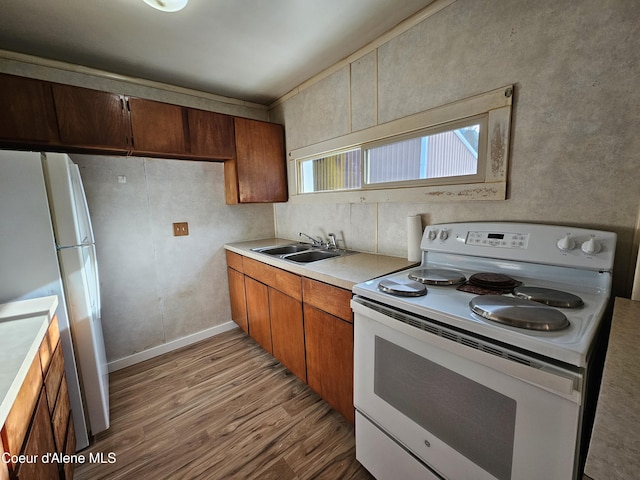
(489, 184)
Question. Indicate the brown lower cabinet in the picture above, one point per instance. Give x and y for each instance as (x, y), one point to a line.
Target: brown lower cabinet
(238, 298)
(39, 423)
(307, 325)
(4, 469)
(258, 313)
(329, 345)
(287, 332)
(39, 441)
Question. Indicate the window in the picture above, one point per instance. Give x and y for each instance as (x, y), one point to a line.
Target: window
(449, 152)
(458, 149)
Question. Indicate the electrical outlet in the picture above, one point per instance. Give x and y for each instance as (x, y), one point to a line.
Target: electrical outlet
(180, 229)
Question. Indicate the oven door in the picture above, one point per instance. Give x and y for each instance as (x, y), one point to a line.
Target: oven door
(462, 411)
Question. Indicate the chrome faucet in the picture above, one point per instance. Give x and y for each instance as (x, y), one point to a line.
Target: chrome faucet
(314, 242)
(331, 242)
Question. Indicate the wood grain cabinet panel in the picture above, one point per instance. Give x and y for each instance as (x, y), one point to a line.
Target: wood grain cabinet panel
(326, 297)
(211, 134)
(158, 128)
(238, 299)
(258, 173)
(4, 469)
(287, 332)
(17, 423)
(69, 449)
(92, 119)
(277, 278)
(60, 417)
(258, 313)
(28, 112)
(235, 261)
(39, 442)
(329, 346)
(54, 377)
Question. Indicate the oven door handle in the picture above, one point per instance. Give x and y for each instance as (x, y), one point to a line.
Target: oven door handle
(547, 377)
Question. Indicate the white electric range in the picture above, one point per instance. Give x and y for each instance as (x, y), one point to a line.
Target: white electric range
(475, 364)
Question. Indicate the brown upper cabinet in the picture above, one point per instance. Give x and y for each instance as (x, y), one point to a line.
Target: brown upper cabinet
(210, 134)
(37, 114)
(28, 114)
(258, 173)
(157, 128)
(92, 119)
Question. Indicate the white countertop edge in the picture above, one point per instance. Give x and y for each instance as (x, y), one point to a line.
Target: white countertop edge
(343, 272)
(39, 312)
(29, 308)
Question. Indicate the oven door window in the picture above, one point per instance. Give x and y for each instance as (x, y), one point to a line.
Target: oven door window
(476, 421)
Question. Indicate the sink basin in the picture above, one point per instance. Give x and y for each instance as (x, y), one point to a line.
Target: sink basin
(283, 249)
(310, 256)
(301, 252)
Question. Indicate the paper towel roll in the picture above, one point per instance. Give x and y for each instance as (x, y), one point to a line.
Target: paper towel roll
(414, 237)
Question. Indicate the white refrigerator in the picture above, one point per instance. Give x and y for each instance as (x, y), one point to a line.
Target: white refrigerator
(47, 248)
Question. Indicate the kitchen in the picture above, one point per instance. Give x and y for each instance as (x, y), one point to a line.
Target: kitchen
(571, 161)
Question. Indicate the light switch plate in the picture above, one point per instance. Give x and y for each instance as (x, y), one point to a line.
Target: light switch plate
(180, 229)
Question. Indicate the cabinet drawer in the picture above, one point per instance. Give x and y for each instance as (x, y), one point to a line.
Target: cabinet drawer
(17, 422)
(328, 298)
(54, 377)
(48, 345)
(286, 282)
(235, 261)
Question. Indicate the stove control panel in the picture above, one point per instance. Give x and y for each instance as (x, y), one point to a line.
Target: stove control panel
(496, 239)
(535, 243)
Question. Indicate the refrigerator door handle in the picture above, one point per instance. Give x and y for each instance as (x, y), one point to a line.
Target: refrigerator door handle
(64, 247)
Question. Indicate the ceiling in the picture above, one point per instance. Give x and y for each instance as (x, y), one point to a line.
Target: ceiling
(253, 50)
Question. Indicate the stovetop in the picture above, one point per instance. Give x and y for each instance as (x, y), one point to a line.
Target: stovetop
(587, 275)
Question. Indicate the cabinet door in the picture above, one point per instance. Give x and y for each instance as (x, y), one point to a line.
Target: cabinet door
(158, 128)
(258, 173)
(92, 119)
(238, 299)
(258, 313)
(39, 441)
(210, 134)
(329, 342)
(28, 113)
(287, 332)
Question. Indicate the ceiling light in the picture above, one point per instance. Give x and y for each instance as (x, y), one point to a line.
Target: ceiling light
(167, 5)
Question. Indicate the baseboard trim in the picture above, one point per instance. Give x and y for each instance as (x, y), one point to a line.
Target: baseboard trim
(169, 346)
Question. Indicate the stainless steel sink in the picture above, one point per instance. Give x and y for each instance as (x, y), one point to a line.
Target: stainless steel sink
(301, 252)
(283, 249)
(311, 256)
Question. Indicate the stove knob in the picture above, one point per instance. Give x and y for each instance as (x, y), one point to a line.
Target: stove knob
(566, 243)
(431, 234)
(444, 235)
(591, 246)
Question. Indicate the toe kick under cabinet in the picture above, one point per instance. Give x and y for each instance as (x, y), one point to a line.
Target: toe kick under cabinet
(306, 324)
(39, 423)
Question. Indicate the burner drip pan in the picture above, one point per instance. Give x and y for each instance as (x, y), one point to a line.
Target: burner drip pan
(437, 276)
(517, 312)
(548, 296)
(487, 283)
(402, 289)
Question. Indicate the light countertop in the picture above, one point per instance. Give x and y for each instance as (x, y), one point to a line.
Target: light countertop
(344, 271)
(23, 325)
(614, 450)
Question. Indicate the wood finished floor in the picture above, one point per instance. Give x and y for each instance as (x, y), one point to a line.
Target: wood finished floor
(221, 409)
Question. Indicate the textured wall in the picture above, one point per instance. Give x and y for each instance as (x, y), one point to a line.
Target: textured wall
(575, 143)
(157, 288)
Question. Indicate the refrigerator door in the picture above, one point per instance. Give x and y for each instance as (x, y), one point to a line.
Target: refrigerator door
(76, 253)
(80, 277)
